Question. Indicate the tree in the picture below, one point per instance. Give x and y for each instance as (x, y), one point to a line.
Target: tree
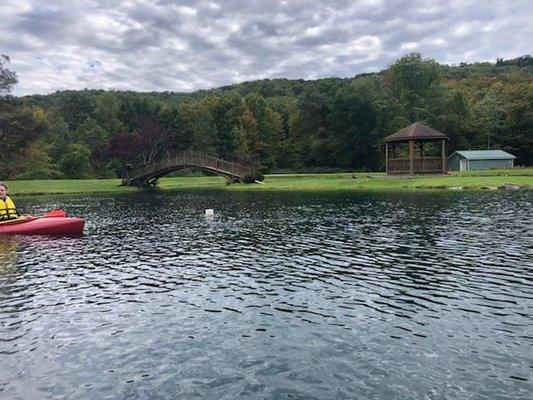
(492, 117)
(250, 133)
(273, 138)
(227, 111)
(106, 112)
(307, 127)
(177, 120)
(202, 127)
(35, 163)
(19, 126)
(153, 139)
(134, 105)
(455, 119)
(90, 133)
(518, 135)
(75, 162)
(59, 137)
(8, 78)
(75, 107)
(192, 126)
(285, 147)
(353, 122)
(123, 150)
(415, 84)
(145, 144)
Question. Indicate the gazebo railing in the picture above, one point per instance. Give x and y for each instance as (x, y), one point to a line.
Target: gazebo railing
(421, 165)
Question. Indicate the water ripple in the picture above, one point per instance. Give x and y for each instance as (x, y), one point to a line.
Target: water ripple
(280, 295)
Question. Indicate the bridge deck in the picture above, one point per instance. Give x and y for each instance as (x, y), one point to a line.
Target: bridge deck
(147, 175)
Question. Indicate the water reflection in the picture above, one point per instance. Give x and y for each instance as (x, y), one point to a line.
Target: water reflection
(278, 295)
(8, 255)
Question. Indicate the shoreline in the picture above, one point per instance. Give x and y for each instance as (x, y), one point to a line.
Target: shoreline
(517, 179)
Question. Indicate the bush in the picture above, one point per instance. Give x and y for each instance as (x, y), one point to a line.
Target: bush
(40, 174)
(188, 172)
(251, 178)
(74, 163)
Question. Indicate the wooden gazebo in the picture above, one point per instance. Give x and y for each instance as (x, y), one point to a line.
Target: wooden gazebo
(415, 135)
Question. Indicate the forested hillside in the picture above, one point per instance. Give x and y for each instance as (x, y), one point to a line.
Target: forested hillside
(291, 125)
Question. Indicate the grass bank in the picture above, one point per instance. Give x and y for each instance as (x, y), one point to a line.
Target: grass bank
(522, 177)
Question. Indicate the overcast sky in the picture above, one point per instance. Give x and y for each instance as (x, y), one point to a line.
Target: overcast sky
(186, 45)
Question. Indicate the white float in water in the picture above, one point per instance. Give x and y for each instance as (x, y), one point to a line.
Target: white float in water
(209, 212)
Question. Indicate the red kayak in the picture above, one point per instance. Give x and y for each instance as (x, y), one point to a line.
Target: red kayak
(54, 222)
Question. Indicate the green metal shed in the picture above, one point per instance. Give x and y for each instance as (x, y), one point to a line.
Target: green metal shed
(475, 160)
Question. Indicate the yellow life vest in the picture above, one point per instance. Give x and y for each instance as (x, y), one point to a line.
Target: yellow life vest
(7, 209)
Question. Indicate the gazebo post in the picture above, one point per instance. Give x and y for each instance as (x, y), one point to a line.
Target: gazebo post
(443, 155)
(411, 159)
(386, 157)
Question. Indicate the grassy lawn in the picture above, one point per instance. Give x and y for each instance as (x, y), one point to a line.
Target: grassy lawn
(56, 186)
(500, 172)
(336, 181)
(379, 181)
(66, 186)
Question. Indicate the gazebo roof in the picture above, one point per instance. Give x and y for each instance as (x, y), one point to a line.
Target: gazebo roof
(416, 131)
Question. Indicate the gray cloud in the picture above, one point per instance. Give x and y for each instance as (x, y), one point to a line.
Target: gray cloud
(188, 44)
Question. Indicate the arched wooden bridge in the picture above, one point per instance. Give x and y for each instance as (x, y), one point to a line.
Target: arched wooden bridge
(148, 175)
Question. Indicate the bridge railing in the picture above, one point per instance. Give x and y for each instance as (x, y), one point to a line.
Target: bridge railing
(193, 159)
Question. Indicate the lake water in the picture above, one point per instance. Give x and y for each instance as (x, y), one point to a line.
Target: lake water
(279, 296)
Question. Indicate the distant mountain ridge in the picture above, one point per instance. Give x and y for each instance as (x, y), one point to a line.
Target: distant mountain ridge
(327, 124)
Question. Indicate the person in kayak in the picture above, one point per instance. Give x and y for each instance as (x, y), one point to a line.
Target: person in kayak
(7, 206)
